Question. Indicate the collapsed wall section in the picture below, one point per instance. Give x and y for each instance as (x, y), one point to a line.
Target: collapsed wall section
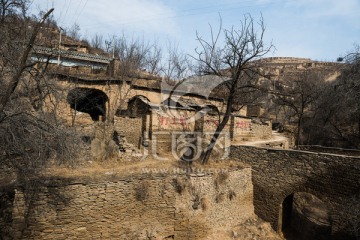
(130, 128)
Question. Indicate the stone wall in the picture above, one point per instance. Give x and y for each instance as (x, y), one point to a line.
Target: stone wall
(332, 150)
(130, 128)
(279, 173)
(143, 206)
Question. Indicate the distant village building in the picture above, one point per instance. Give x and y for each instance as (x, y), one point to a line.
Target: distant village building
(95, 92)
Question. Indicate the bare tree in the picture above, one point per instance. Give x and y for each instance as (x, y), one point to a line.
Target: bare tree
(74, 31)
(30, 137)
(137, 54)
(230, 54)
(298, 95)
(340, 106)
(20, 66)
(12, 7)
(153, 59)
(97, 41)
(350, 84)
(177, 64)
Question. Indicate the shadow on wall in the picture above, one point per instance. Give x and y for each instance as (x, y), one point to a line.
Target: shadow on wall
(19, 206)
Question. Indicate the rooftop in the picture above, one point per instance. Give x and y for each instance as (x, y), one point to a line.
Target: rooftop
(41, 50)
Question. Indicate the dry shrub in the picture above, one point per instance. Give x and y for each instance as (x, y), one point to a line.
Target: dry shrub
(196, 201)
(221, 179)
(179, 185)
(220, 197)
(231, 194)
(204, 202)
(142, 191)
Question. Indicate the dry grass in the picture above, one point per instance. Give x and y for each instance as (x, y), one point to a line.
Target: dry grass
(114, 169)
(98, 169)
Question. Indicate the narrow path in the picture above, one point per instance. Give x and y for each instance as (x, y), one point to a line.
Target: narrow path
(276, 137)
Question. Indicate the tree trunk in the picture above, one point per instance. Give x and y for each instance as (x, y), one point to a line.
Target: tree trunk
(220, 127)
(206, 154)
(299, 124)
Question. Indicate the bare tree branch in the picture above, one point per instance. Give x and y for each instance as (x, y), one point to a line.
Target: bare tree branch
(230, 54)
(22, 65)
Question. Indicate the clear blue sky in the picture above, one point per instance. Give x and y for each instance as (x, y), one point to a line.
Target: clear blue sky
(316, 29)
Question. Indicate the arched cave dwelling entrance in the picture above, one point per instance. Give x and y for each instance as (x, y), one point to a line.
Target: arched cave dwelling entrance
(88, 100)
(304, 216)
(138, 106)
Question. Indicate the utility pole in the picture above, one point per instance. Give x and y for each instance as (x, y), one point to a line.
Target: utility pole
(276, 114)
(113, 50)
(58, 62)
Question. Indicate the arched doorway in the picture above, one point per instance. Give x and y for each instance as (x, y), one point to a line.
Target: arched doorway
(88, 100)
(304, 216)
(139, 106)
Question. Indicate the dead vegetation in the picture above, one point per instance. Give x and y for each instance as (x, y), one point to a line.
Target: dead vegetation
(231, 194)
(220, 197)
(221, 179)
(196, 201)
(142, 191)
(204, 202)
(179, 185)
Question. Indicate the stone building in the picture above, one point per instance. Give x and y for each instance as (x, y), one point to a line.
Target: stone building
(95, 90)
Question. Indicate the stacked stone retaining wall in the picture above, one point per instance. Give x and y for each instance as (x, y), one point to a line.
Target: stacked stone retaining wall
(159, 204)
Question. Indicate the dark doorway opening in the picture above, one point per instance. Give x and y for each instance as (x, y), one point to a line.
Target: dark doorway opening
(88, 100)
(286, 213)
(6, 217)
(304, 217)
